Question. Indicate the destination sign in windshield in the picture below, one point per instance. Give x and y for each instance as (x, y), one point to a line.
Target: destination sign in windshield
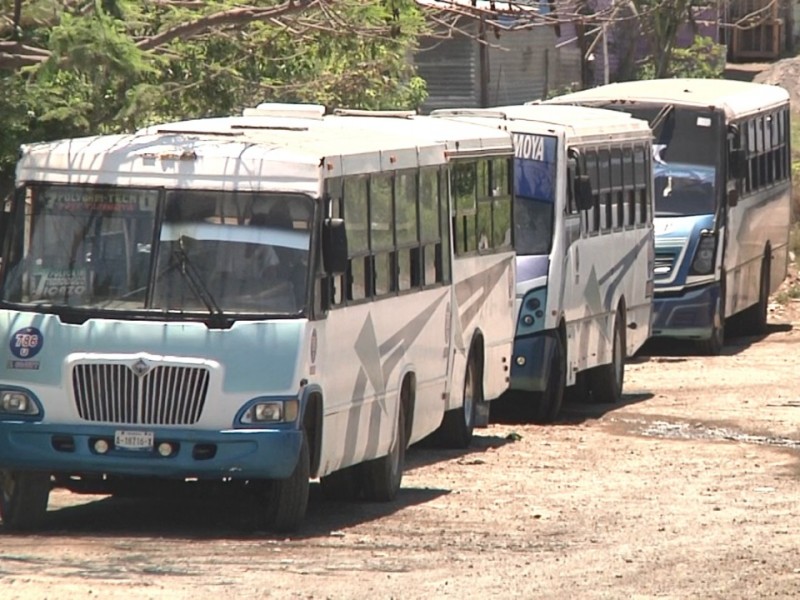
(105, 200)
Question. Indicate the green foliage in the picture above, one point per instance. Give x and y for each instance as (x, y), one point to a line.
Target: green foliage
(704, 58)
(115, 65)
(563, 90)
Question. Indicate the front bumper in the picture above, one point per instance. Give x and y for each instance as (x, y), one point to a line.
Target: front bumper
(537, 351)
(235, 453)
(687, 314)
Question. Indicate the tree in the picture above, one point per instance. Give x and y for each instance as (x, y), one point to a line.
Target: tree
(660, 21)
(79, 67)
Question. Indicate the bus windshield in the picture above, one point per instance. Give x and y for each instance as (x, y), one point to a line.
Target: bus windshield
(104, 248)
(534, 185)
(685, 158)
(683, 189)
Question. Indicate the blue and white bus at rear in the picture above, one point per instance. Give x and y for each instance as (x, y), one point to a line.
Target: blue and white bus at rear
(722, 172)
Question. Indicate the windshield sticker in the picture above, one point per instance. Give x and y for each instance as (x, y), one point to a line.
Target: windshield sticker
(59, 283)
(535, 166)
(26, 343)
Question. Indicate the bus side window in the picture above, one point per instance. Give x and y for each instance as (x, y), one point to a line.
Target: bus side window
(604, 169)
(357, 227)
(406, 221)
(641, 171)
(429, 227)
(501, 203)
(464, 191)
(629, 187)
(592, 218)
(381, 227)
(617, 196)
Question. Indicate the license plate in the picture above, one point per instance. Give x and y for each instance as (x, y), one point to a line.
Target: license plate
(133, 440)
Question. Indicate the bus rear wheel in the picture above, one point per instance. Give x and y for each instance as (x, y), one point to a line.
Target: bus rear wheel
(754, 318)
(547, 404)
(288, 498)
(713, 345)
(342, 485)
(458, 424)
(607, 380)
(23, 499)
(381, 477)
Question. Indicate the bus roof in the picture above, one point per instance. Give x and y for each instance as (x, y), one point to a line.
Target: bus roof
(460, 138)
(577, 123)
(736, 98)
(258, 152)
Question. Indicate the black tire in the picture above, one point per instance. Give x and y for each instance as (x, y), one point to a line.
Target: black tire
(23, 499)
(754, 319)
(580, 392)
(342, 485)
(381, 477)
(288, 498)
(606, 380)
(547, 404)
(713, 345)
(458, 424)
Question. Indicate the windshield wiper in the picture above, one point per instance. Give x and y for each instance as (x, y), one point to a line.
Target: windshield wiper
(198, 287)
(661, 118)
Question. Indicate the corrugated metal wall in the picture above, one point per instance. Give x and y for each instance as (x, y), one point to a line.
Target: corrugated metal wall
(522, 65)
(451, 69)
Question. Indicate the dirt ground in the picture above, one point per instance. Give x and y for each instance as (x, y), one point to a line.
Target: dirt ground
(689, 488)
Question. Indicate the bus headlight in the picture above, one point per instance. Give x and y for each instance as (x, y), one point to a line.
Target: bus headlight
(703, 263)
(272, 411)
(17, 402)
(531, 312)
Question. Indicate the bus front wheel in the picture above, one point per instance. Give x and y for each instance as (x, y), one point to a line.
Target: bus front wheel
(547, 404)
(288, 498)
(23, 499)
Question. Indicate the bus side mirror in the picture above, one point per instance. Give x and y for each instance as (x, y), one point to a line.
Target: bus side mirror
(583, 192)
(334, 246)
(733, 197)
(737, 164)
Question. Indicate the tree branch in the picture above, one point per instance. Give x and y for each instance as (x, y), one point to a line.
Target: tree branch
(234, 16)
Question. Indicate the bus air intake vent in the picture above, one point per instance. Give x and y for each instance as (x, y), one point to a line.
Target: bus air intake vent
(664, 264)
(164, 395)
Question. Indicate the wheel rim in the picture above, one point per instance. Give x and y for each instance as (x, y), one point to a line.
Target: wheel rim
(469, 395)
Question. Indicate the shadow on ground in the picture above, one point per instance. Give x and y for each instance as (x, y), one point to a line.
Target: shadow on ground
(513, 411)
(735, 342)
(200, 511)
(198, 515)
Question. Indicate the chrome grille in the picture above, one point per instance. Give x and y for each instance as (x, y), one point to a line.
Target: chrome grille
(164, 395)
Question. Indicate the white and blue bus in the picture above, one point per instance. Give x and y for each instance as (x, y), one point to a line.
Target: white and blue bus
(584, 242)
(722, 172)
(253, 301)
